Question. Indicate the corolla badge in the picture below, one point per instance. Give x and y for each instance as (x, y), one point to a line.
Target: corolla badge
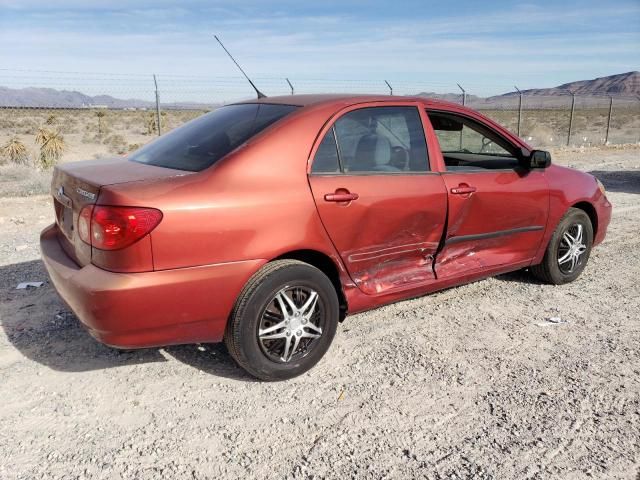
(84, 193)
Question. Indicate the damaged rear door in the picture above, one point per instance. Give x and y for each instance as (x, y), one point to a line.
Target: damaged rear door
(383, 209)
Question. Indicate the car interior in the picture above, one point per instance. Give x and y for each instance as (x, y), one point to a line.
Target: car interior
(470, 146)
(391, 139)
(382, 140)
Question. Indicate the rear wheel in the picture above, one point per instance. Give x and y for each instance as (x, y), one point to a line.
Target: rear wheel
(568, 250)
(284, 320)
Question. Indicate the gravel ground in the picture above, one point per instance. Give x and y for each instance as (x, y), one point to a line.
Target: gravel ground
(466, 383)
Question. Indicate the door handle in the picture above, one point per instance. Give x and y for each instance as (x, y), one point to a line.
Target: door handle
(463, 189)
(341, 197)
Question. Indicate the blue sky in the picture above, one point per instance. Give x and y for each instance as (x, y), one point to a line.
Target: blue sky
(487, 46)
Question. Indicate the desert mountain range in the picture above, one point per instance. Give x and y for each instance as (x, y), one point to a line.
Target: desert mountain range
(625, 85)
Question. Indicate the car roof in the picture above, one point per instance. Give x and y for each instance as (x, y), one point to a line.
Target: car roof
(340, 99)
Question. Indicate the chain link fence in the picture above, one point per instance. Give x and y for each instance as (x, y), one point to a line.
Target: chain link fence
(58, 116)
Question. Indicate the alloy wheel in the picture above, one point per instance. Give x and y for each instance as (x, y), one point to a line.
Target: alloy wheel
(291, 324)
(571, 248)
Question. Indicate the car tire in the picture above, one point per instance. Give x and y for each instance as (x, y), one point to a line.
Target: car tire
(269, 333)
(559, 264)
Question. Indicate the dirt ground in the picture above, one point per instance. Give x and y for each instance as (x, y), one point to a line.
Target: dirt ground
(467, 383)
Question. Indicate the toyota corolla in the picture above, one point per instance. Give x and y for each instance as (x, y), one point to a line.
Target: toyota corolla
(263, 224)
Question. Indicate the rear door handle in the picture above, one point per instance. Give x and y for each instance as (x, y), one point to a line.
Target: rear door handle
(341, 197)
(463, 189)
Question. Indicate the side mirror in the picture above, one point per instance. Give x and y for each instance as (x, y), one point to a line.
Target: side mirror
(536, 159)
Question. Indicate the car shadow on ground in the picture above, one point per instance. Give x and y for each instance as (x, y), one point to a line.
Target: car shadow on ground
(624, 181)
(42, 328)
(520, 276)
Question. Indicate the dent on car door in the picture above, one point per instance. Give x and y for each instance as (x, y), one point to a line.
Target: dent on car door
(383, 210)
(497, 210)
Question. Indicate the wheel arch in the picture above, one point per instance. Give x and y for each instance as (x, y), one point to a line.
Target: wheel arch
(590, 210)
(326, 265)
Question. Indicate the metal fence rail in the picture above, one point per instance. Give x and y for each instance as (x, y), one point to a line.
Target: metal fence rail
(106, 114)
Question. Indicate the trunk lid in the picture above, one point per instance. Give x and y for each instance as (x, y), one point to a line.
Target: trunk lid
(77, 184)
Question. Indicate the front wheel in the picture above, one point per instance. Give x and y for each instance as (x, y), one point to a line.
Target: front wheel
(568, 250)
(284, 320)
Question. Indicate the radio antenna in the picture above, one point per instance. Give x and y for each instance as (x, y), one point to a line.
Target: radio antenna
(258, 92)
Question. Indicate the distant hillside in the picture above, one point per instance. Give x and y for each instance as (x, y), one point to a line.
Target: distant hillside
(627, 84)
(49, 97)
(592, 92)
(620, 84)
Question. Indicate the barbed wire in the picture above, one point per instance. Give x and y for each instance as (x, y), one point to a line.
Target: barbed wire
(113, 113)
(216, 88)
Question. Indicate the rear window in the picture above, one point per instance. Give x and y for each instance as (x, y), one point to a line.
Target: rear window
(200, 143)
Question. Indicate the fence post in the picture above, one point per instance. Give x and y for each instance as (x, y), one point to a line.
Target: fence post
(290, 86)
(464, 101)
(638, 97)
(573, 104)
(155, 81)
(464, 94)
(390, 87)
(519, 109)
(606, 135)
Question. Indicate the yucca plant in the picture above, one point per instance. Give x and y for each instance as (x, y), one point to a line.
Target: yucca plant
(52, 147)
(100, 114)
(15, 150)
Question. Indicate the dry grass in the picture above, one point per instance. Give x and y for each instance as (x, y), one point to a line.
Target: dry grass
(99, 133)
(550, 127)
(23, 180)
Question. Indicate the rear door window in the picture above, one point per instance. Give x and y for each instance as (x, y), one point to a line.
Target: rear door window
(382, 140)
(200, 143)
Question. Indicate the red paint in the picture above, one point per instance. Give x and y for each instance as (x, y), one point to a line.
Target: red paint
(390, 237)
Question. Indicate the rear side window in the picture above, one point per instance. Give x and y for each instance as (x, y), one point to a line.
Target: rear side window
(326, 159)
(200, 143)
(382, 140)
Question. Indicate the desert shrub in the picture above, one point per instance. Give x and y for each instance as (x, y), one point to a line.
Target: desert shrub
(52, 146)
(15, 151)
(116, 144)
(6, 123)
(152, 123)
(68, 124)
(134, 146)
(26, 126)
(89, 137)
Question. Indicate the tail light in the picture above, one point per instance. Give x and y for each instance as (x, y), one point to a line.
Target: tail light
(114, 228)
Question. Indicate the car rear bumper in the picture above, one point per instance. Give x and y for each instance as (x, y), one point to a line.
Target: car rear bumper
(133, 310)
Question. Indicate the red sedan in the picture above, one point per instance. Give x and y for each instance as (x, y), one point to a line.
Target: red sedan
(265, 223)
